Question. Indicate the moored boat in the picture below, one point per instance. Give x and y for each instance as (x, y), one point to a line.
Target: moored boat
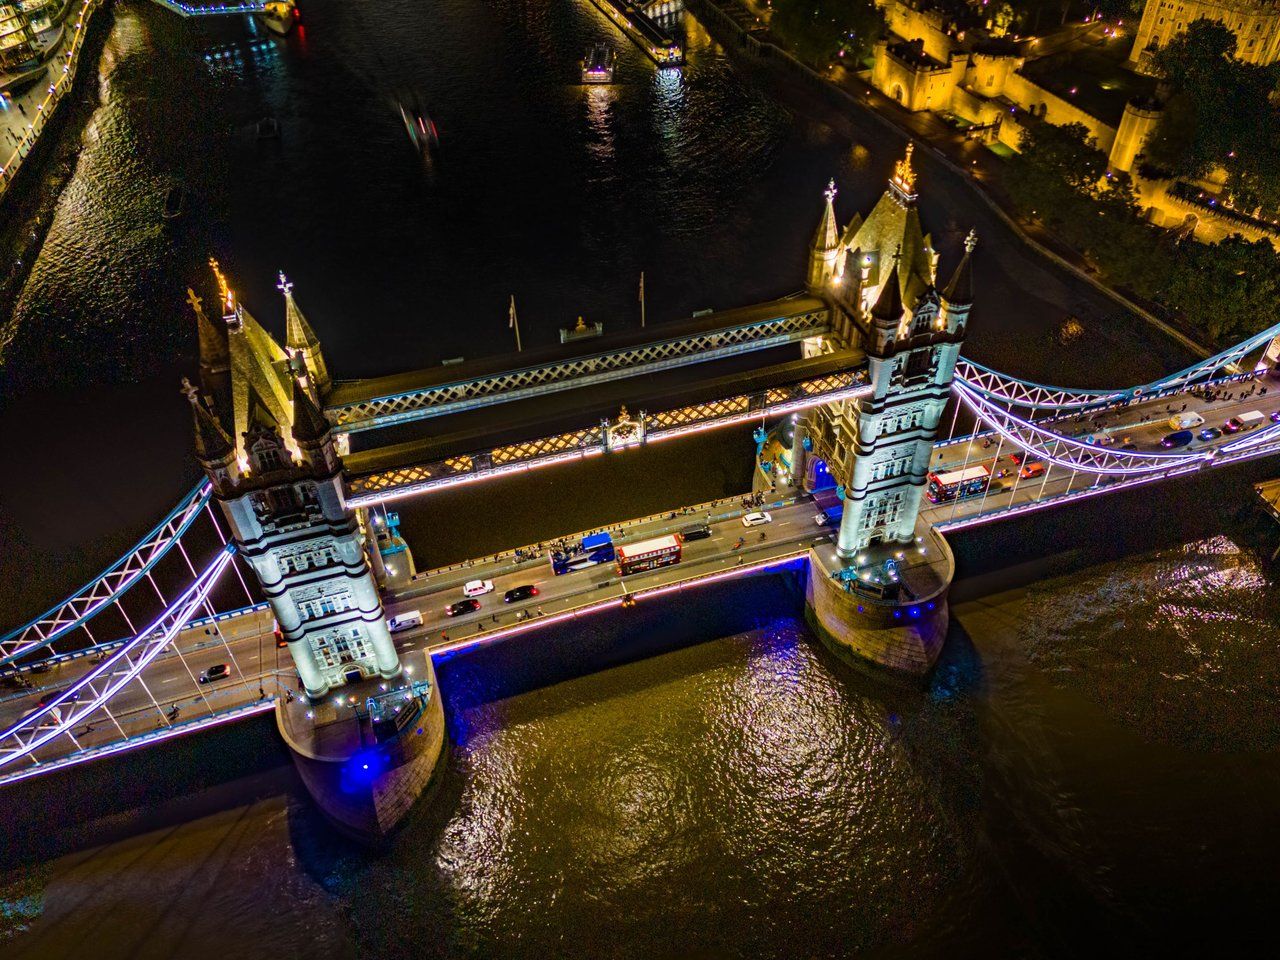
(599, 63)
(279, 16)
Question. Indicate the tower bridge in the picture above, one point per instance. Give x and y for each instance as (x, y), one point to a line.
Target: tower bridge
(281, 531)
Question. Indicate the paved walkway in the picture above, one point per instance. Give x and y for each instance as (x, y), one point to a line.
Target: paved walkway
(23, 117)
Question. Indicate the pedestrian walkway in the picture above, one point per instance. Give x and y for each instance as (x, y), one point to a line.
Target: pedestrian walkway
(24, 116)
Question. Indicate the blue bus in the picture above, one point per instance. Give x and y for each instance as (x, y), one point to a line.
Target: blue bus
(590, 551)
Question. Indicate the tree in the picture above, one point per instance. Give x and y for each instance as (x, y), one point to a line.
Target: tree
(817, 29)
(1219, 115)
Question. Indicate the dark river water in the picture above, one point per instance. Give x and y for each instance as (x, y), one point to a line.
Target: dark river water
(1092, 771)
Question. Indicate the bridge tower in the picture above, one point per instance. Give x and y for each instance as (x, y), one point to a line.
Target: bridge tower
(879, 594)
(280, 486)
(911, 357)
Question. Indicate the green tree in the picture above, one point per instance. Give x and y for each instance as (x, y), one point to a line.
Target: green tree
(1218, 115)
(817, 29)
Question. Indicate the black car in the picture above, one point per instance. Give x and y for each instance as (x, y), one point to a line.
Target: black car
(462, 606)
(699, 531)
(53, 695)
(523, 592)
(1179, 439)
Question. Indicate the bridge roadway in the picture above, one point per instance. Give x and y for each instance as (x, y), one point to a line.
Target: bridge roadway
(1142, 424)
(260, 670)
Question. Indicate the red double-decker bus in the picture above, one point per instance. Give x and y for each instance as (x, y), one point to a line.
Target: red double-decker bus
(649, 554)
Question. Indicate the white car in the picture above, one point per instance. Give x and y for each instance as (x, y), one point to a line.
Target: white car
(756, 519)
(477, 588)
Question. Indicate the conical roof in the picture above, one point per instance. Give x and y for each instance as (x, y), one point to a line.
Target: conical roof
(960, 290)
(297, 332)
(828, 237)
(212, 442)
(888, 307)
(309, 424)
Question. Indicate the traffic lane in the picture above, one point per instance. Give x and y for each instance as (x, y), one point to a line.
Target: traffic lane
(795, 517)
(491, 570)
(168, 679)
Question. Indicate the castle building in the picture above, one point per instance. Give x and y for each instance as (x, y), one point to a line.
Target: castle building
(278, 481)
(1256, 24)
(880, 273)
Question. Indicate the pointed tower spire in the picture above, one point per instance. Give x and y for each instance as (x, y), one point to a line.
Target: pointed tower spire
(824, 252)
(903, 182)
(828, 237)
(888, 307)
(959, 291)
(212, 443)
(299, 337)
(309, 424)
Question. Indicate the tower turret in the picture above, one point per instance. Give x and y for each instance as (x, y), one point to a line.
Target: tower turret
(214, 449)
(300, 338)
(215, 356)
(824, 252)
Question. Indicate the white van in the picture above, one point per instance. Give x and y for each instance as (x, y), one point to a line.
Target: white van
(403, 621)
(1187, 420)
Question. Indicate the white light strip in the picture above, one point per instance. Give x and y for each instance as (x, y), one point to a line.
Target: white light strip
(141, 740)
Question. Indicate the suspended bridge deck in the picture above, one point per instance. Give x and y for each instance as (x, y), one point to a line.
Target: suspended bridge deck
(437, 391)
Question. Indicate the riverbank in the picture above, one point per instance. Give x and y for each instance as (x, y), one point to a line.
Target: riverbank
(976, 165)
(44, 160)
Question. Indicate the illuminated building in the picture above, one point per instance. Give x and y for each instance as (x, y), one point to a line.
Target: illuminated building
(1256, 24)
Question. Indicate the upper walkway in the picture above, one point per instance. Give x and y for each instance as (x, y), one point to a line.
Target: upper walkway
(357, 405)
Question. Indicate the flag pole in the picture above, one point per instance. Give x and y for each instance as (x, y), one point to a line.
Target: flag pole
(641, 298)
(513, 322)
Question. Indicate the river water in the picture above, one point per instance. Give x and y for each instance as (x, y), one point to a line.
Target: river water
(1093, 768)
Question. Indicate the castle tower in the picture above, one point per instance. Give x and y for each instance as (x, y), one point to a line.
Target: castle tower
(1136, 123)
(279, 484)
(300, 338)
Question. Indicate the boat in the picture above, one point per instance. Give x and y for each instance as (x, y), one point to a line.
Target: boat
(420, 127)
(651, 37)
(279, 16)
(268, 128)
(175, 202)
(599, 63)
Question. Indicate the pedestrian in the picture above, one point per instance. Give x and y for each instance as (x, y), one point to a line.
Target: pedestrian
(444, 636)
(495, 618)
(539, 611)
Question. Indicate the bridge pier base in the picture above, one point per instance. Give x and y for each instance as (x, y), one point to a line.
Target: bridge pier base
(368, 755)
(886, 607)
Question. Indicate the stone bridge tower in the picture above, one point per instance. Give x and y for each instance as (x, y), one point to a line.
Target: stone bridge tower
(880, 276)
(279, 483)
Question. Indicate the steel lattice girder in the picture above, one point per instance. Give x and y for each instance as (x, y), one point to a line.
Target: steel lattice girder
(514, 384)
(1002, 388)
(113, 674)
(93, 597)
(1088, 458)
